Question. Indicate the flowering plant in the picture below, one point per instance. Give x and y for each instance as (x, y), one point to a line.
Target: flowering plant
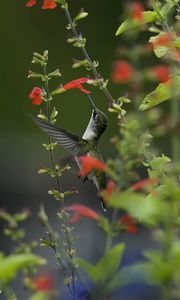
(136, 187)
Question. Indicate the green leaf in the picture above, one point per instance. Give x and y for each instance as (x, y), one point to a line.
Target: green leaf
(88, 268)
(106, 267)
(10, 265)
(148, 17)
(163, 92)
(130, 274)
(176, 42)
(109, 263)
(167, 8)
(39, 296)
(138, 206)
(158, 164)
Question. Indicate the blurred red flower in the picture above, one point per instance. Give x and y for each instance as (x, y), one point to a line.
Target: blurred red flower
(82, 211)
(161, 73)
(163, 39)
(90, 163)
(137, 11)
(31, 3)
(130, 223)
(36, 96)
(143, 183)
(110, 188)
(47, 4)
(44, 282)
(122, 72)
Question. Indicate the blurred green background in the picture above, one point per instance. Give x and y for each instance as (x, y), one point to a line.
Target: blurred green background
(24, 30)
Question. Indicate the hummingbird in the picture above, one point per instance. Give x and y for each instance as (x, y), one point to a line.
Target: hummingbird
(85, 145)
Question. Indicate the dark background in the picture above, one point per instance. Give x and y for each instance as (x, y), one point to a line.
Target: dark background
(23, 31)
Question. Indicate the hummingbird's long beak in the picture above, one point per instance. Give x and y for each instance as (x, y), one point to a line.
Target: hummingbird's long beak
(92, 103)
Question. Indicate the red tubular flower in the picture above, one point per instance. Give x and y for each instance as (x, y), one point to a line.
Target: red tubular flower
(90, 163)
(161, 73)
(74, 84)
(82, 211)
(130, 223)
(143, 183)
(36, 96)
(137, 11)
(122, 72)
(49, 4)
(31, 3)
(44, 282)
(110, 188)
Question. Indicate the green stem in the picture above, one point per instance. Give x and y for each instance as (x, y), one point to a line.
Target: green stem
(86, 55)
(109, 239)
(175, 110)
(65, 220)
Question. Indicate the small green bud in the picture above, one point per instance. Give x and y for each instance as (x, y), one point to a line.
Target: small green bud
(72, 40)
(34, 75)
(42, 215)
(82, 14)
(54, 113)
(45, 55)
(55, 73)
(50, 146)
(37, 55)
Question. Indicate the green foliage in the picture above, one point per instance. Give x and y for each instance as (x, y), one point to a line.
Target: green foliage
(130, 156)
(40, 296)
(10, 265)
(138, 206)
(163, 92)
(106, 267)
(130, 23)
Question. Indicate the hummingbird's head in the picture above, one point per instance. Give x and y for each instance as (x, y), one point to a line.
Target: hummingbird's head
(98, 121)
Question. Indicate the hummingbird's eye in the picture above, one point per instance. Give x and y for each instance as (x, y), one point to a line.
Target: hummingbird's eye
(95, 115)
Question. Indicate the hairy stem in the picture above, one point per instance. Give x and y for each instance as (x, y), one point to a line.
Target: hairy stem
(86, 55)
(64, 216)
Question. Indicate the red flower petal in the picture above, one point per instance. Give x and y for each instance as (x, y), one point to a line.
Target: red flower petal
(110, 188)
(30, 3)
(37, 101)
(36, 91)
(162, 40)
(137, 11)
(141, 184)
(49, 4)
(161, 73)
(77, 84)
(44, 282)
(122, 72)
(90, 163)
(130, 223)
(35, 96)
(82, 211)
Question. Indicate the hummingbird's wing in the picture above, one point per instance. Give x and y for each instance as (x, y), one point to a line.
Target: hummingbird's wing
(73, 143)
